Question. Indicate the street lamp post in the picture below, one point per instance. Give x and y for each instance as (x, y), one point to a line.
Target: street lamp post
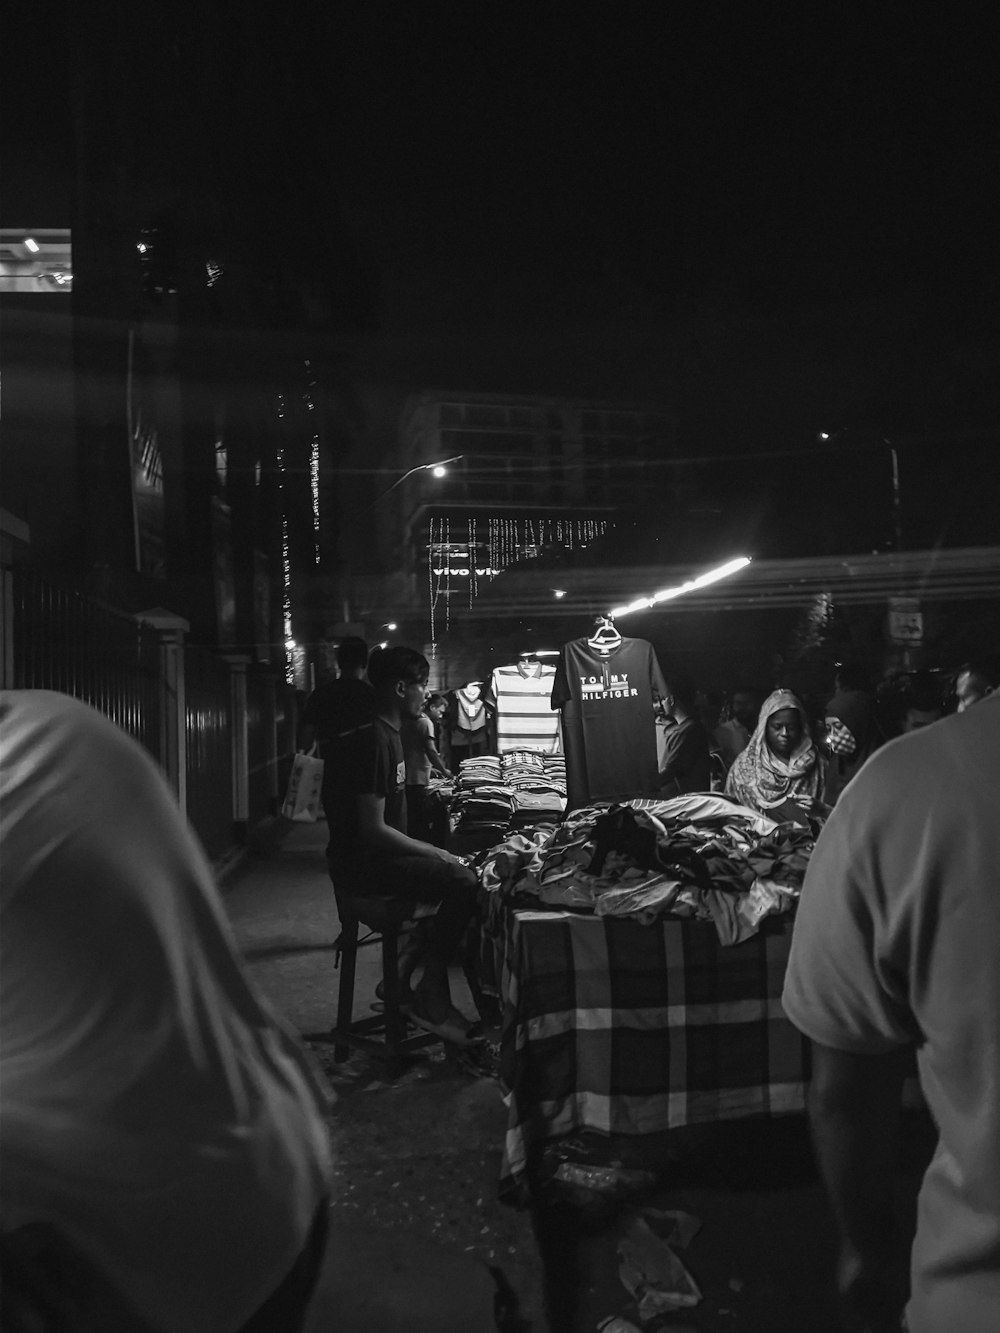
(826, 436)
(897, 499)
(437, 468)
(905, 621)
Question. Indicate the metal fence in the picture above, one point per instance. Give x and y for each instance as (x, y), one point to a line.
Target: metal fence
(262, 759)
(209, 748)
(286, 718)
(61, 640)
(272, 730)
(227, 752)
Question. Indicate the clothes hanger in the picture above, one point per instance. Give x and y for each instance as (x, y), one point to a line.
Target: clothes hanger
(605, 635)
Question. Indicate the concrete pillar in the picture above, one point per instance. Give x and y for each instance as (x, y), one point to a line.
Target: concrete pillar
(171, 630)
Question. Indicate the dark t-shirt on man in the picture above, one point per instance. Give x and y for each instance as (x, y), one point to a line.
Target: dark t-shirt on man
(366, 761)
(369, 761)
(686, 766)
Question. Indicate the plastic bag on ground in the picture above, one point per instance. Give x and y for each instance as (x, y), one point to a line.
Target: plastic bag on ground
(650, 1269)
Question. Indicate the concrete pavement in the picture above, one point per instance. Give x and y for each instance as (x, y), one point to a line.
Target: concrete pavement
(415, 1212)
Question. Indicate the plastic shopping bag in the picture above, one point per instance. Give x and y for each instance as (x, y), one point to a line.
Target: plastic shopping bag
(304, 784)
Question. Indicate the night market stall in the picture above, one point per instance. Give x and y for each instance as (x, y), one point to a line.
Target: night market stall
(641, 955)
(638, 944)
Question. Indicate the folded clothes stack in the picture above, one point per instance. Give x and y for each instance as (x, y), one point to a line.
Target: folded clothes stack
(537, 790)
(483, 768)
(482, 802)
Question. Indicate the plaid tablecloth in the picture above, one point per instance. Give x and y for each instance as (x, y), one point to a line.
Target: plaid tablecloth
(629, 1029)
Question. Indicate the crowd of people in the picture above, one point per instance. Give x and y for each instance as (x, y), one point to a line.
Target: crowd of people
(781, 754)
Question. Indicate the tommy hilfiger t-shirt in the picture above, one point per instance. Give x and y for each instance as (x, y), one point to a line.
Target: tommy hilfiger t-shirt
(609, 731)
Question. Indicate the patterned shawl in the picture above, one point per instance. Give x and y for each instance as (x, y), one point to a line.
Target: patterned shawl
(760, 779)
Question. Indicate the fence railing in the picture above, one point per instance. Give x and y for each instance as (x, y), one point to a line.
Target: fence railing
(222, 729)
(208, 737)
(60, 640)
(264, 728)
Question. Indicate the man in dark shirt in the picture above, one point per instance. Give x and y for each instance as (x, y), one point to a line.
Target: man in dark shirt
(853, 733)
(977, 680)
(341, 704)
(369, 851)
(335, 708)
(685, 764)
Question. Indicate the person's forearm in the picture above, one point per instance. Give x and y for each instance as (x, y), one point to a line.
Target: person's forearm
(854, 1117)
(387, 841)
(435, 757)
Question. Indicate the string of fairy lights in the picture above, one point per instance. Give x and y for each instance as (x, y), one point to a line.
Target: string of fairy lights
(487, 548)
(307, 398)
(294, 654)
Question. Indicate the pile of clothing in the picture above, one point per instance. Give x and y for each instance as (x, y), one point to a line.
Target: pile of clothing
(698, 855)
(497, 792)
(538, 782)
(481, 800)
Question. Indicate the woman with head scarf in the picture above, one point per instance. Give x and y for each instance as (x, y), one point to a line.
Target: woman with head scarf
(780, 763)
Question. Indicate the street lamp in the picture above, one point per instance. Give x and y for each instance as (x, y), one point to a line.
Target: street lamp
(437, 468)
(825, 436)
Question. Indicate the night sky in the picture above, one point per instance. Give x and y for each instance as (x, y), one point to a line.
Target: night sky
(771, 222)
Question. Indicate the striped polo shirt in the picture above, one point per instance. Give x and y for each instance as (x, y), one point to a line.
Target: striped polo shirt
(521, 695)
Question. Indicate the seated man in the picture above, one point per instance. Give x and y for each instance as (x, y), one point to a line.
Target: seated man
(370, 852)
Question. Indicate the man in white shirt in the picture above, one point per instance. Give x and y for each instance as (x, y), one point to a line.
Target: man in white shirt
(163, 1152)
(896, 948)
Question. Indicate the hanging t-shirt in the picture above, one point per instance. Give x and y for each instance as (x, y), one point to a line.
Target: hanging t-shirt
(521, 695)
(609, 730)
(467, 717)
